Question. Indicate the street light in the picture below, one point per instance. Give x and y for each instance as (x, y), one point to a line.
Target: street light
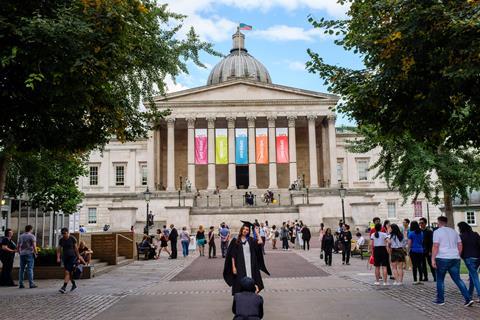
(343, 193)
(146, 196)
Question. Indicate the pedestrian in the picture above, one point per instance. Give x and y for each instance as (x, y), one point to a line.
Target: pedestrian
(321, 232)
(224, 238)
(328, 243)
(306, 236)
(162, 243)
(293, 233)
(396, 247)
(27, 247)
(274, 235)
(244, 259)
(346, 239)
(67, 246)
(263, 235)
(471, 256)
(284, 234)
(185, 240)
(7, 256)
(146, 245)
(246, 303)
(166, 231)
(406, 230)
(427, 249)
(447, 246)
(173, 237)
(212, 249)
(200, 238)
(415, 243)
(380, 254)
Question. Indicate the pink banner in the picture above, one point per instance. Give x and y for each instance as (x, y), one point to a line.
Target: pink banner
(282, 145)
(201, 143)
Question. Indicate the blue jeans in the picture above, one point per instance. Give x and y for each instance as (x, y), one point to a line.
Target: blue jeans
(472, 265)
(26, 260)
(185, 247)
(452, 266)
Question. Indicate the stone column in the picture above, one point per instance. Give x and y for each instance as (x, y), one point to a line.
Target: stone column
(158, 158)
(151, 154)
(292, 148)
(332, 148)
(211, 154)
(312, 151)
(232, 175)
(191, 152)
(170, 154)
(325, 157)
(272, 154)
(252, 166)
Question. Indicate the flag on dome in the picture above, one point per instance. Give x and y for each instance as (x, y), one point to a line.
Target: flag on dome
(244, 26)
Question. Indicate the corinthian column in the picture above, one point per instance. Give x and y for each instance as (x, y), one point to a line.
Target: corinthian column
(332, 147)
(232, 177)
(252, 166)
(312, 151)
(171, 154)
(211, 154)
(272, 154)
(292, 148)
(190, 151)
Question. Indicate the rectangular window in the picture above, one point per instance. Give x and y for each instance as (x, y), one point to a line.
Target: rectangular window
(93, 175)
(92, 215)
(362, 167)
(143, 174)
(392, 210)
(471, 218)
(119, 175)
(339, 169)
(417, 208)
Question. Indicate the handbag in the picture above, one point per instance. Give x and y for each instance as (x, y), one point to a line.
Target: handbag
(321, 254)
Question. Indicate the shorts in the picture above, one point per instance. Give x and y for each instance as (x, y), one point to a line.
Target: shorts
(380, 256)
(398, 255)
(69, 263)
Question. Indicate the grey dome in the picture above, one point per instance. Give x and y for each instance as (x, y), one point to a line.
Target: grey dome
(238, 64)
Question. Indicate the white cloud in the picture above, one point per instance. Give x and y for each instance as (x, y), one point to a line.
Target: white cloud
(287, 33)
(173, 86)
(296, 65)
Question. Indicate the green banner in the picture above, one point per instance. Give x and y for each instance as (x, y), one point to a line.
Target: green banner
(221, 146)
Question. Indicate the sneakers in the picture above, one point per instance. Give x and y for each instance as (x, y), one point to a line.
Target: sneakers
(63, 290)
(417, 283)
(21, 286)
(438, 303)
(385, 284)
(468, 304)
(376, 283)
(33, 286)
(74, 286)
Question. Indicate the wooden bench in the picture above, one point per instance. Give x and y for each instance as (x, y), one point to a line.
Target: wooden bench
(363, 248)
(142, 250)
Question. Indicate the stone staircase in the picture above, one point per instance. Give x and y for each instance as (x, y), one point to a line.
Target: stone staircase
(97, 267)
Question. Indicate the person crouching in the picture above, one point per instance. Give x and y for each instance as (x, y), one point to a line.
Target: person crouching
(247, 305)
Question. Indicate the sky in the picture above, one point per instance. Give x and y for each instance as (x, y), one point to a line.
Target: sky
(280, 38)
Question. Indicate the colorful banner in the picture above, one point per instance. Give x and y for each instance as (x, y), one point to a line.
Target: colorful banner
(241, 146)
(201, 143)
(261, 145)
(221, 146)
(282, 145)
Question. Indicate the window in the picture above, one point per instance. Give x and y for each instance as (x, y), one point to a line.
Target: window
(417, 209)
(143, 174)
(92, 215)
(362, 167)
(392, 210)
(93, 175)
(471, 218)
(119, 175)
(339, 169)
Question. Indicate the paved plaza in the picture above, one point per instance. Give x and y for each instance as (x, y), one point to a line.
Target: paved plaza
(300, 287)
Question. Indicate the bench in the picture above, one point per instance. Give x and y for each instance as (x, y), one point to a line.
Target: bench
(363, 248)
(142, 250)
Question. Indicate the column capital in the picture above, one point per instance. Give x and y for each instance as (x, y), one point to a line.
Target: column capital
(191, 122)
(211, 122)
(331, 118)
(291, 121)
(231, 122)
(271, 120)
(251, 121)
(170, 122)
(311, 116)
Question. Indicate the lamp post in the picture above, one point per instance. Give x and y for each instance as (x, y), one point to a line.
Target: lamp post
(343, 193)
(146, 196)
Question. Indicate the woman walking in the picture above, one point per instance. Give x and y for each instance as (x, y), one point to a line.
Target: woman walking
(306, 236)
(7, 255)
(274, 235)
(200, 237)
(380, 254)
(327, 246)
(163, 239)
(471, 256)
(346, 239)
(284, 233)
(415, 243)
(185, 240)
(396, 248)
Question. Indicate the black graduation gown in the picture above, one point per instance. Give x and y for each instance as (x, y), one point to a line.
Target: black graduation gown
(236, 251)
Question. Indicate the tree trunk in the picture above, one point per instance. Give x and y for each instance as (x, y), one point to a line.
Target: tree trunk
(4, 162)
(448, 203)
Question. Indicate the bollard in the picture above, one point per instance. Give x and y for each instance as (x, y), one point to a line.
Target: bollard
(219, 201)
(291, 199)
(231, 200)
(308, 198)
(279, 199)
(208, 197)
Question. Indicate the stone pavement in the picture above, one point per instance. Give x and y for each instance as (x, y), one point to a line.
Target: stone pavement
(300, 288)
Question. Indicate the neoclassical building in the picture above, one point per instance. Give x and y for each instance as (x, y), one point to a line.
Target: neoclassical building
(239, 133)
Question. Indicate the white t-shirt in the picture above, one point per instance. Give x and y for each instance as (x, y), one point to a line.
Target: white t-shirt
(380, 241)
(447, 240)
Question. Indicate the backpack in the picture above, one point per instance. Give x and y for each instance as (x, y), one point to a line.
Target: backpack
(277, 234)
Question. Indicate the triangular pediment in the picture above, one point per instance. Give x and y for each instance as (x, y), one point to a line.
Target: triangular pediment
(242, 89)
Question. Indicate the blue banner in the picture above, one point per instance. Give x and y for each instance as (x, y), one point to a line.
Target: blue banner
(241, 146)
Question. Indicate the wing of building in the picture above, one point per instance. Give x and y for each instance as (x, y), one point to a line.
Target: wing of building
(240, 148)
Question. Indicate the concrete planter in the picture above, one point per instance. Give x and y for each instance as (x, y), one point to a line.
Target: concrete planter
(52, 272)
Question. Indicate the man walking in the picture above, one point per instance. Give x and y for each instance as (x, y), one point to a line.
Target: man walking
(224, 238)
(427, 249)
(212, 249)
(68, 244)
(447, 247)
(173, 236)
(27, 247)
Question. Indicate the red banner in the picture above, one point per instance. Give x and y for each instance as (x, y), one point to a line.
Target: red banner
(201, 143)
(282, 145)
(261, 146)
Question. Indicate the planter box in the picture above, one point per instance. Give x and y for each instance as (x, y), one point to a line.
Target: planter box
(46, 261)
(51, 272)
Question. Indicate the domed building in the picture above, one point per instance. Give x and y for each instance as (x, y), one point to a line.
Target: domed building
(239, 148)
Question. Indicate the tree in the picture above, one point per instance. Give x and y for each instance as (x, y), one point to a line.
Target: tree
(418, 96)
(73, 72)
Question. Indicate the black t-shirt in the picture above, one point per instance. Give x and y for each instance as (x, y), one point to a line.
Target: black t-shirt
(471, 245)
(10, 244)
(68, 246)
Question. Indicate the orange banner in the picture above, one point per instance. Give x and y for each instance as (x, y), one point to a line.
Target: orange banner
(261, 146)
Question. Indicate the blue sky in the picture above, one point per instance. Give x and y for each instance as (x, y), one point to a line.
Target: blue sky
(280, 38)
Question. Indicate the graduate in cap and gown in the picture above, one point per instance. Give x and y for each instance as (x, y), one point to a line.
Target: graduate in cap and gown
(245, 259)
